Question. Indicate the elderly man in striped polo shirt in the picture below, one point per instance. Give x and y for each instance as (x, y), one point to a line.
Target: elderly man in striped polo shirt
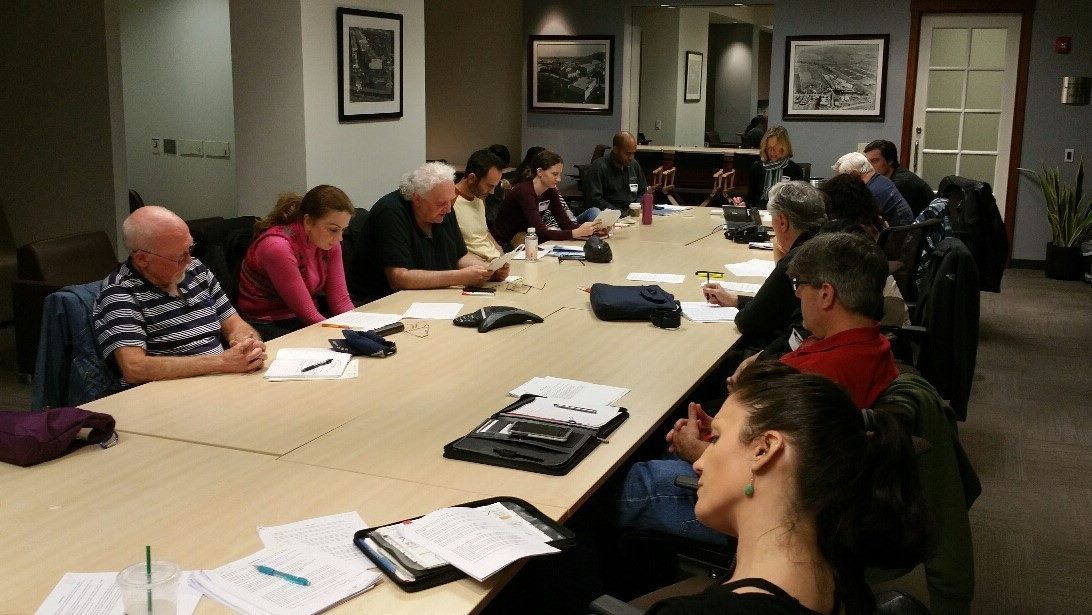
(162, 314)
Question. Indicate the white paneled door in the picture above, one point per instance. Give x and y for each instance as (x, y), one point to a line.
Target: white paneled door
(966, 91)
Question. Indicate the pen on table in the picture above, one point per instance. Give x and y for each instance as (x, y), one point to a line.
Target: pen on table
(576, 408)
(333, 326)
(291, 578)
(319, 364)
(584, 288)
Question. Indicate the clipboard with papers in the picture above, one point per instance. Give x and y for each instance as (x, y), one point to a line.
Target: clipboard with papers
(500, 441)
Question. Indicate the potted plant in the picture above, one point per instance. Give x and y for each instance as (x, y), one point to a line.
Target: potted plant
(1069, 211)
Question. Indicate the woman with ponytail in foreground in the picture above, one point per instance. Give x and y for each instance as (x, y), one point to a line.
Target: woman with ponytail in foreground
(293, 274)
(815, 489)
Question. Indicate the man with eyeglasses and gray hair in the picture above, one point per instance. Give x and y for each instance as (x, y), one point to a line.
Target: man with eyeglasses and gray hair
(162, 314)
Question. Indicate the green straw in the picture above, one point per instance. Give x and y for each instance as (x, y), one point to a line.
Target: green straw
(148, 569)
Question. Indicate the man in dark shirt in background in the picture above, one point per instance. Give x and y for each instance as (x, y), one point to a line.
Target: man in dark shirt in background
(884, 157)
(615, 180)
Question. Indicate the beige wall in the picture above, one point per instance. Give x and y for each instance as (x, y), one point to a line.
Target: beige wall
(474, 64)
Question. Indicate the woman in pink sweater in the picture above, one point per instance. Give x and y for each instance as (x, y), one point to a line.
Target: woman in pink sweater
(293, 273)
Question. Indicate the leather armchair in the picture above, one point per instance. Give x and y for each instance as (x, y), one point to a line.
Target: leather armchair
(46, 266)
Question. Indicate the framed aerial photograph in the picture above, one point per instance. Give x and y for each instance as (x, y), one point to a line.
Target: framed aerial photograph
(694, 61)
(369, 65)
(570, 74)
(841, 78)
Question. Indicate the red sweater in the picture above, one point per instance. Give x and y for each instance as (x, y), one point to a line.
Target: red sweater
(858, 359)
(522, 209)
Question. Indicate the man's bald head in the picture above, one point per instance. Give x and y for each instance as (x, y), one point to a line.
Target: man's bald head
(624, 148)
(146, 227)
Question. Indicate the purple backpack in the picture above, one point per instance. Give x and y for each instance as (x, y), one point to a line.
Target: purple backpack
(29, 438)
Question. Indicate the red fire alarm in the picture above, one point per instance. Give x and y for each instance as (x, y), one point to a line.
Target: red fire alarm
(1063, 44)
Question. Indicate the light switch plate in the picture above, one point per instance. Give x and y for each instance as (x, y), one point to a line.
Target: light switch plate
(157, 146)
(189, 147)
(217, 149)
(1069, 155)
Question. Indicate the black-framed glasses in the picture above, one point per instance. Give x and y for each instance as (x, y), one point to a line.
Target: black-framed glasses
(416, 328)
(177, 261)
(797, 283)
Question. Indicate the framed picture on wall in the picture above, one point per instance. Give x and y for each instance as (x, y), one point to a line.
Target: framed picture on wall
(840, 78)
(570, 74)
(692, 92)
(369, 65)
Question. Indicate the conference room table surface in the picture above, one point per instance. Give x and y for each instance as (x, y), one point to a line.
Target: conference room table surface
(198, 506)
(386, 428)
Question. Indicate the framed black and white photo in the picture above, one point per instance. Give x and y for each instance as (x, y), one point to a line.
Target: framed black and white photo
(694, 62)
(835, 77)
(369, 61)
(570, 74)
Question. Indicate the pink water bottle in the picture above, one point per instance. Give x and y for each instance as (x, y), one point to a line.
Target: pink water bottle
(646, 208)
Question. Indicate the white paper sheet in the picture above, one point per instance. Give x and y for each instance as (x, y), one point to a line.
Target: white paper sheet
(669, 207)
(97, 593)
(362, 320)
(240, 586)
(754, 268)
(575, 392)
(433, 311)
(473, 540)
(700, 311)
(738, 287)
(332, 534)
(659, 278)
(290, 363)
(608, 217)
(502, 260)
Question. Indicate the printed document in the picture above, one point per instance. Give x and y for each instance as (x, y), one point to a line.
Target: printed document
(700, 311)
(240, 586)
(97, 593)
(502, 260)
(659, 278)
(575, 392)
(332, 534)
(738, 287)
(608, 217)
(473, 540)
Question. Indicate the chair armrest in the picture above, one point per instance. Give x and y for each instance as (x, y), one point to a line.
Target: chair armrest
(609, 605)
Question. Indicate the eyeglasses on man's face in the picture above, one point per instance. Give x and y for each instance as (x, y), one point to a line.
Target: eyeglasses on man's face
(797, 283)
(178, 260)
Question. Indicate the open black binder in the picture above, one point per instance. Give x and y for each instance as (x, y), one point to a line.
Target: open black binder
(484, 445)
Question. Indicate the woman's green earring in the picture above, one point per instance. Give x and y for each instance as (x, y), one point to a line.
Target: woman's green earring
(749, 488)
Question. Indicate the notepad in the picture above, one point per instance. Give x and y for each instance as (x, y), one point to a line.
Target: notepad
(364, 321)
(575, 392)
(433, 311)
(290, 364)
(700, 311)
(659, 278)
(557, 411)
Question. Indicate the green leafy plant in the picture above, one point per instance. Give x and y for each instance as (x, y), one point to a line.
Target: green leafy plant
(1068, 208)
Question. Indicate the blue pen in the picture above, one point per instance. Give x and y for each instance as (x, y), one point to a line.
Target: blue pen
(291, 578)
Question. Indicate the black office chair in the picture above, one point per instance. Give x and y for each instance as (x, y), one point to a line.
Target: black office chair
(904, 245)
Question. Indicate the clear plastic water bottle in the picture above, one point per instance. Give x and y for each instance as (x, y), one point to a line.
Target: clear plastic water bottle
(530, 244)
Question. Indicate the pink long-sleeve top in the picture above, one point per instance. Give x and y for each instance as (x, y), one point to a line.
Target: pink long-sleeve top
(283, 272)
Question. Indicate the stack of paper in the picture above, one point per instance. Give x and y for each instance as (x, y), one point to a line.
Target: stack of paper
(310, 364)
(561, 250)
(754, 268)
(331, 535)
(574, 392)
(365, 321)
(700, 311)
(660, 278)
(240, 586)
(477, 541)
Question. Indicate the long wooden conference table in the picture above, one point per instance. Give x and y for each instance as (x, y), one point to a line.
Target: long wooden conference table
(203, 461)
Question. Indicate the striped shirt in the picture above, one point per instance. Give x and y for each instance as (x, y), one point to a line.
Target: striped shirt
(131, 311)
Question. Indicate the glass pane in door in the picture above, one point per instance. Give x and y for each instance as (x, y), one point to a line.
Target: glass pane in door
(988, 48)
(978, 166)
(980, 131)
(945, 89)
(941, 130)
(949, 47)
(935, 167)
(985, 89)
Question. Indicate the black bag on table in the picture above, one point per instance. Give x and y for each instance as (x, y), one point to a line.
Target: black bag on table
(611, 302)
